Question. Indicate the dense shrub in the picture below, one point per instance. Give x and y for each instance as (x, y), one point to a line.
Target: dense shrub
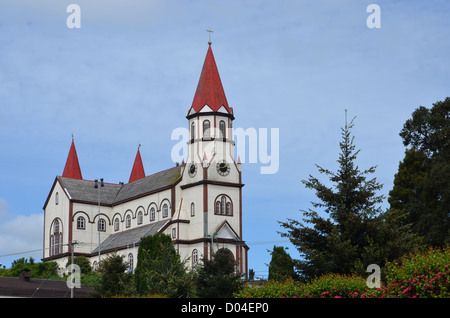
(270, 289)
(335, 286)
(425, 274)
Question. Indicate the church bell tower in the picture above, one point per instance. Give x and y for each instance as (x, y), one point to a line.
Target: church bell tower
(211, 174)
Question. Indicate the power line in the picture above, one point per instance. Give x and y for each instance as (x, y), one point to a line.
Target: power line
(19, 253)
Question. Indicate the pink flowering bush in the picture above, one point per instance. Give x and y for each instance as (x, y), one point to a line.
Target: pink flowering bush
(425, 274)
(419, 275)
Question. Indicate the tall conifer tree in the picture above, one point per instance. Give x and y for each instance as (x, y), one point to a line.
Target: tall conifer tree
(344, 236)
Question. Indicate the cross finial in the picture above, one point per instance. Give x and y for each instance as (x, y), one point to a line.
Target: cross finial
(210, 31)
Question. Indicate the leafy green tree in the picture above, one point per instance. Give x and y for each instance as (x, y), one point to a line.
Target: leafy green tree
(114, 279)
(83, 262)
(347, 239)
(281, 266)
(420, 198)
(159, 269)
(217, 278)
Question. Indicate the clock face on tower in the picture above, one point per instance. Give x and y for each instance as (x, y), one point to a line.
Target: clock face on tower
(192, 169)
(223, 168)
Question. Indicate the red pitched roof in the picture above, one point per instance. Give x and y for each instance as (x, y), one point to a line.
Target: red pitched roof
(138, 168)
(209, 89)
(72, 169)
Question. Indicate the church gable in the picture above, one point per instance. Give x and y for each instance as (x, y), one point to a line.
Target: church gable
(225, 231)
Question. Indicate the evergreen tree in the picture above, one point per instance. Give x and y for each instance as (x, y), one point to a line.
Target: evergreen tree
(281, 266)
(217, 278)
(114, 281)
(159, 269)
(347, 240)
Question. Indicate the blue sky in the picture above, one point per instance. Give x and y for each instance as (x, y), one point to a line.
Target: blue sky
(129, 74)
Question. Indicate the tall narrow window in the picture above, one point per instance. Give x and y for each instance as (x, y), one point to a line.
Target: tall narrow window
(206, 130)
(152, 214)
(165, 211)
(193, 131)
(128, 221)
(217, 207)
(192, 209)
(222, 129)
(57, 198)
(56, 239)
(194, 257)
(130, 262)
(116, 224)
(229, 208)
(140, 218)
(222, 205)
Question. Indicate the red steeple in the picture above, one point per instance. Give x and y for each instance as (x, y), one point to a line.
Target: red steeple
(209, 89)
(138, 168)
(72, 169)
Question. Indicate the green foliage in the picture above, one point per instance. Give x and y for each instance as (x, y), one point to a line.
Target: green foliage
(281, 266)
(217, 277)
(425, 274)
(422, 274)
(37, 270)
(113, 277)
(159, 269)
(82, 262)
(335, 286)
(349, 235)
(420, 199)
(270, 289)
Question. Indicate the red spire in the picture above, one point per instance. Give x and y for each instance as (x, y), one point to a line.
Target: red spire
(138, 168)
(209, 89)
(72, 169)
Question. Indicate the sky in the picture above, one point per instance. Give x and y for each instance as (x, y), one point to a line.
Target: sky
(128, 76)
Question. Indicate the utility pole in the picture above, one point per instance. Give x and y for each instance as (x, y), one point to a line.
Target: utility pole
(98, 221)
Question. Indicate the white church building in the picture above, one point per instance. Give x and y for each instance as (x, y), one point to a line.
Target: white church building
(198, 203)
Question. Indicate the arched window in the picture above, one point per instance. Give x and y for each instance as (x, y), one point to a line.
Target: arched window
(95, 266)
(81, 223)
(229, 208)
(194, 257)
(222, 129)
(152, 214)
(165, 211)
(102, 225)
(217, 211)
(223, 205)
(140, 218)
(56, 239)
(193, 131)
(128, 221)
(192, 209)
(206, 129)
(116, 224)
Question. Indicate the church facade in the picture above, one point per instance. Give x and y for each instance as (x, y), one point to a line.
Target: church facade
(198, 203)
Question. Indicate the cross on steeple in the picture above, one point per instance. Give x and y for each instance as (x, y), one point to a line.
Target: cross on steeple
(210, 31)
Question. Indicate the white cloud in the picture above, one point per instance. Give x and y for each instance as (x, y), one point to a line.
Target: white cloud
(18, 234)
